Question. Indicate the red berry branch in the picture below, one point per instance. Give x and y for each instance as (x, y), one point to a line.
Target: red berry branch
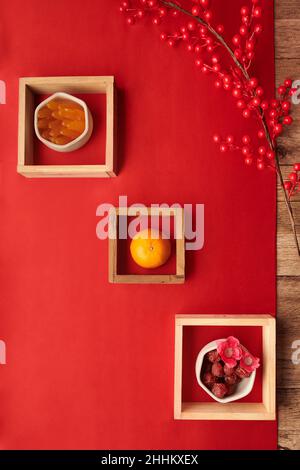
(205, 40)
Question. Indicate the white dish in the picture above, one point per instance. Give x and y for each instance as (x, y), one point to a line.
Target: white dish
(243, 388)
(81, 139)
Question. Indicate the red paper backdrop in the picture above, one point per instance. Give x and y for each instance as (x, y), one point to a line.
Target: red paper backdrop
(90, 364)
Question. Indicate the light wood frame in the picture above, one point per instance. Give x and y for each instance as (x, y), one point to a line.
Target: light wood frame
(28, 87)
(266, 410)
(177, 278)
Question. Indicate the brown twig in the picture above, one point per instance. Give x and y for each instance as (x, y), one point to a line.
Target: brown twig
(223, 43)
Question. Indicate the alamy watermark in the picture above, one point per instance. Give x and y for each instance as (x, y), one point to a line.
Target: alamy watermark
(2, 352)
(2, 92)
(191, 218)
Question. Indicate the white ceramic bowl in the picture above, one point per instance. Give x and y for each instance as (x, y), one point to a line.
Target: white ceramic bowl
(243, 388)
(81, 139)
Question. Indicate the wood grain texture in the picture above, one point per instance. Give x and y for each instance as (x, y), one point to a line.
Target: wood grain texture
(287, 9)
(287, 38)
(287, 35)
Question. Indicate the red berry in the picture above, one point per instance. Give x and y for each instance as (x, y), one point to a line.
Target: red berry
(156, 20)
(245, 20)
(274, 104)
(288, 82)
(198, 62)
(223, 148)
(216, 138)
(288, 120)
(262, 151)
(236, 92)
(253, 82)
(217, 369)
(213, 356)
(281, 90)
(204, 3)
(260, 165)
(260, 134)
(250, 45)
(285, 105)
(219, 390)
(278, 129)
(218, 84)
(236, 40)
(293, 177)
(162, 11)
(258, 29)
(163, 36)
(130, 20)
(208, 15)
(248, 160)
(238, 53)
(245, 150)
(244, 11)
(195, 10)
(191, 25)
(220, 28)
(246, 113)
(241, 104)
(255, 102)
(288, 185)
(243, 30)
(257, 12)
(259, 91)
(230, 139)
(264, 105)
(270, 155)
(297, 167)
(246, 139)
(171, 42)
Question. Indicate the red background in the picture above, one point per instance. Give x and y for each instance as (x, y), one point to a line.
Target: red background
(90, 364)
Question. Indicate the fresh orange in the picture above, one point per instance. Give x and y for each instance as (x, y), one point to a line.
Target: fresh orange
(149, 250)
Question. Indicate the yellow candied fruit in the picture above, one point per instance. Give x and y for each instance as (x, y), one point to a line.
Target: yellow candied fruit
(61, 121)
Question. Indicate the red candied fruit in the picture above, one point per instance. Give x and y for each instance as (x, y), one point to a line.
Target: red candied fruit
(217, 370)
(220, 390)
(213, 356)
(231, 379)
(242, 373)
(228, 370)
(208, 379)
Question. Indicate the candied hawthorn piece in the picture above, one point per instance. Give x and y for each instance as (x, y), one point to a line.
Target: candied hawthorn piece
(228, 370)
(220, 390)
(242, 373)
(231, 389)
(206, 366)
(231, 379)
(208, 379)
(217, 370)
(213, 356)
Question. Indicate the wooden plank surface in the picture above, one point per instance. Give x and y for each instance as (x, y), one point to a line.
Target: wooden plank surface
(287, 9)
(287, 52)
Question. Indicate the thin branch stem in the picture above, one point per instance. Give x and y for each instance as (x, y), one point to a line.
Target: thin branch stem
(221, 40)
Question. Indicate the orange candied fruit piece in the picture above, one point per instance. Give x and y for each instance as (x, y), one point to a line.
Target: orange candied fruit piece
(61, 121)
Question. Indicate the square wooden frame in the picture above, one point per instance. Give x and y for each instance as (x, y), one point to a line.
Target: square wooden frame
(235, 410)
(28, 87)
(177, 278)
